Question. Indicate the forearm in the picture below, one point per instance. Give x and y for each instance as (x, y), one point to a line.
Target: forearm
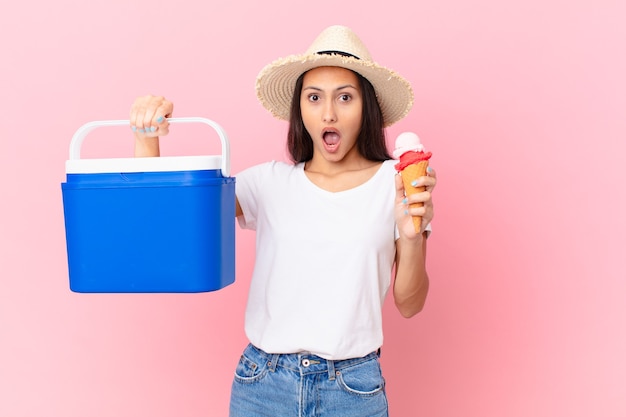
(146, 146)
(411, 282)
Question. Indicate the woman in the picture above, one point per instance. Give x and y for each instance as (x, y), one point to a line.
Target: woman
(330, 229)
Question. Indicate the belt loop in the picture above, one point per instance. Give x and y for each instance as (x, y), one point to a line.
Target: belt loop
(271, 365)
(331, 369)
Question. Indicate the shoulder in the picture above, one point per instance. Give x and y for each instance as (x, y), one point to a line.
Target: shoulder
(267, 172)
(270, 167)
(390, 166)
(385, 177)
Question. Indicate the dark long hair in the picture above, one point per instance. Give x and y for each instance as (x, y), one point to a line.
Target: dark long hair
(371, 141)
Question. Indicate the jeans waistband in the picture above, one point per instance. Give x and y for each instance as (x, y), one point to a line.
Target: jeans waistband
(308, 363)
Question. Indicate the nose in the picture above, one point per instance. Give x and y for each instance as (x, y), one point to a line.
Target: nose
(329, 115)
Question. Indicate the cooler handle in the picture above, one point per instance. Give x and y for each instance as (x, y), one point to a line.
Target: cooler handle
(81, 133)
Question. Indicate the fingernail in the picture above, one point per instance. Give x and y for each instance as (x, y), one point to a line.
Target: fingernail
(414, 183)
(152, 129)
(159, 119)
(406, 200)
(134, 128)
(406, 212)
(142, 131)
(429, 169)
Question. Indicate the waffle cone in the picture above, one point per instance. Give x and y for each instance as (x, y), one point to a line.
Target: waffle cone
(409, 174)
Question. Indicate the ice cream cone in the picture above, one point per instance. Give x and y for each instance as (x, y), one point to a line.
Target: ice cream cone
(410, 174)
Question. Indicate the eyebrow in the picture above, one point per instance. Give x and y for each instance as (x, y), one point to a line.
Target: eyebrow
(341, 87)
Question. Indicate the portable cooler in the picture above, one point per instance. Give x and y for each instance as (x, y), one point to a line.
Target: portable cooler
(145, 225)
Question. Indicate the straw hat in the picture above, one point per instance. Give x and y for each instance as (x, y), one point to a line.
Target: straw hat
(336, 46)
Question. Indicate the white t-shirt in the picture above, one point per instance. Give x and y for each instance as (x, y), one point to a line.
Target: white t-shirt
(323, 260)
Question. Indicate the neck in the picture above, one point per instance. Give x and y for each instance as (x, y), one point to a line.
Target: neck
(353, 161)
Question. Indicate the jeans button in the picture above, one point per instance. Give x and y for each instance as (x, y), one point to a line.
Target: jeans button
(306, 362)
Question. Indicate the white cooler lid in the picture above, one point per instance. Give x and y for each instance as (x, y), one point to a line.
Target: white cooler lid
(145, 164)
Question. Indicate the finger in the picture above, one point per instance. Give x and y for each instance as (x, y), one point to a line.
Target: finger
(138, 113)
(419, 198)
(399, 187)
(431, 178)
(164, 110)
(138, 120)
(151, 105)
(155, 118)
(417, 210)
(162, 113)
(427, 181)
(428, 212)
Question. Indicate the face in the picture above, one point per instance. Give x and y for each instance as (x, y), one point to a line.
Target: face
(332, 108)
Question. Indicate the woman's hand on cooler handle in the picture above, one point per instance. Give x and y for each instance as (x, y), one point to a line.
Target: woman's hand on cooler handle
(148, 116)
(148, 121)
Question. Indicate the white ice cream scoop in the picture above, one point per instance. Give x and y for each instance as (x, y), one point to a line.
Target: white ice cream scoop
(405, 142)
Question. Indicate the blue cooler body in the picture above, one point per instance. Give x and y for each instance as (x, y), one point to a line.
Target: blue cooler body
(146, 225)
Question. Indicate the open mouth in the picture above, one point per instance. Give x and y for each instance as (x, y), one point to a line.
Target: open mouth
(331, 138)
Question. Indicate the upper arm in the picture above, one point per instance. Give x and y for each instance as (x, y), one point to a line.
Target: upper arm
(238, 210)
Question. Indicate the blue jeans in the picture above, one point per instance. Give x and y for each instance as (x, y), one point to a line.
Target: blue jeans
(305, 385)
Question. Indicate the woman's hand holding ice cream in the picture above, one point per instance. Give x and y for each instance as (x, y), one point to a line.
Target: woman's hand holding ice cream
(415, 205)
(414, 184)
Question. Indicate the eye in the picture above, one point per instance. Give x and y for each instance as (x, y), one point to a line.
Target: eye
(314, 97)
(345, 97)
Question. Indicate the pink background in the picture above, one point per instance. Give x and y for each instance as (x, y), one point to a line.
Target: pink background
(522, 104)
